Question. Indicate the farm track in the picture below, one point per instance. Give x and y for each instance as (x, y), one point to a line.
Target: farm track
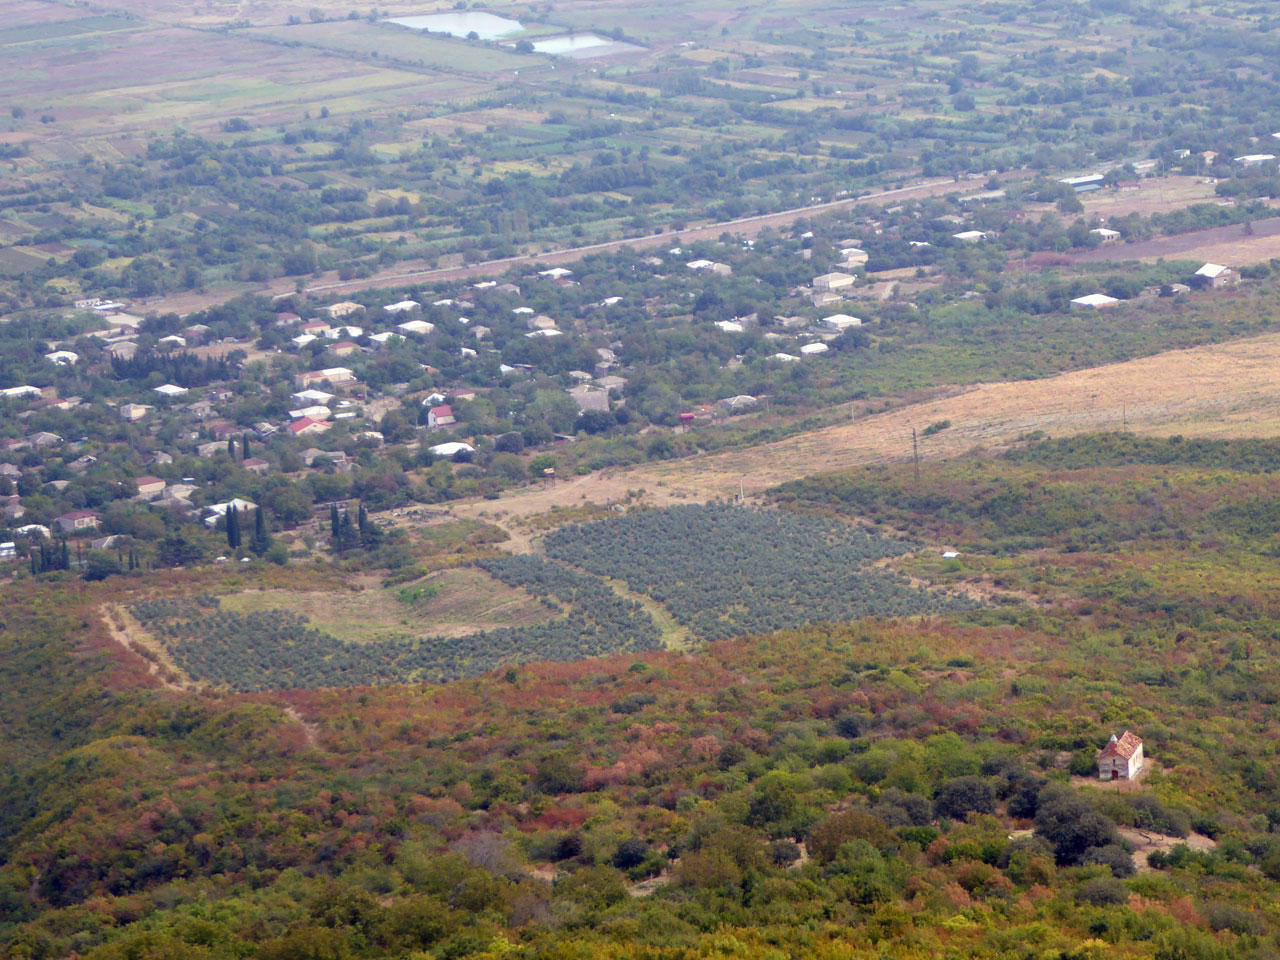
(1218, 390)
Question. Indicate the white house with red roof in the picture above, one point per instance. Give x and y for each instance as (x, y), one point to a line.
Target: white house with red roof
(441, 416)
(307, 427)
(1121, 758)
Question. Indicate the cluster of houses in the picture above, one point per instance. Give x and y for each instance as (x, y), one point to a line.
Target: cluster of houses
(1213, 276)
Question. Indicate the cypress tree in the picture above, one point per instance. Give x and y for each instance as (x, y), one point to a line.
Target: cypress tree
(334, 522)
(233, 528)
(261, 536)
(244, 447)
(231, 448)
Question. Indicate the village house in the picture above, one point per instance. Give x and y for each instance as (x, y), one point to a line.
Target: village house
(255, 465)
(122, 349)
(420, 327)
(307, 427)
(330, 375)
(404, 306)
(76, 521)
(343, 349)
(832, 282)
(441, 416)
(1218, 276)
(149, 487)
(133, 412)
(342, 309)
(1121, 758)
(1093, 301)
(1106, 235)
(738, 404)
(590, 398)
(312, 454)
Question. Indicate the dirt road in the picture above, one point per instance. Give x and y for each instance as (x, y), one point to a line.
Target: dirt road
(1217, 390)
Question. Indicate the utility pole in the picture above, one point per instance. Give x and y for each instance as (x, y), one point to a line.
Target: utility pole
(915, 452)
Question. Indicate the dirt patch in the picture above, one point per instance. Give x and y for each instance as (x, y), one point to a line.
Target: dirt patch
(1145, 843)
(466, 601)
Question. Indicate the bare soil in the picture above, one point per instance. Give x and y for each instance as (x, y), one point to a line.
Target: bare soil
(1145, 843)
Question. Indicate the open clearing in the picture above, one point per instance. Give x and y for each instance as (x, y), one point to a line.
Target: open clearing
(469, 601)
(1219, 390)
(1232, 245)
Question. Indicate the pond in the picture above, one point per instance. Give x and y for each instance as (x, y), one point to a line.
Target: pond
(488, 26)
(582, 46)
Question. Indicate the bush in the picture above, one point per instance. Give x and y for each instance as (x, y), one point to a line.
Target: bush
(900, 809)
(1070, 825)
(1114, 856)
(1102, 891)
(828, 836)
(783, 853)
(962, 796)
(630, 853)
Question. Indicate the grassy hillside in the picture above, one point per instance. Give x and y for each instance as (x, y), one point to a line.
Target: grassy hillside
(912, 786)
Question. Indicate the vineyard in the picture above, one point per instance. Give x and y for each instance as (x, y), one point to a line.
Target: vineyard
(730, 571)
(278, 649)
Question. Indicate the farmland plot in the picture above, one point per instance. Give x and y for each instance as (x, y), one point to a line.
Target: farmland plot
(729, 571)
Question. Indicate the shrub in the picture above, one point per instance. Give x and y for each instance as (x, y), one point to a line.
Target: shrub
(962, 796)
(1114, 856)
(1102, 891)
(1070, 825)
(828, 836)
(630, 853)
(783, 853)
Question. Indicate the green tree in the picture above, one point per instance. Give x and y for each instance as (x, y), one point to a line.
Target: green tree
(261, 541)
(233, 528)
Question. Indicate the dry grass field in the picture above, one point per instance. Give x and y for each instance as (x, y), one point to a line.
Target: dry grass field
(1235, 244)
(1219, 390)
(469, 601)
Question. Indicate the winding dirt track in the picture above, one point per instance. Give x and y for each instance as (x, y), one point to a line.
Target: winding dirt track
(1217, 390)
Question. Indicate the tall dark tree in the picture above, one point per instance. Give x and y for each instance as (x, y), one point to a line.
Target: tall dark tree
(231, 448)
(335, 522)
(233, 528)
(261, 541)
(244, 447)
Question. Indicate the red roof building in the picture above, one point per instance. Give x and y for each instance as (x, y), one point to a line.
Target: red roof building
(441, 416)
(1121, 758)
